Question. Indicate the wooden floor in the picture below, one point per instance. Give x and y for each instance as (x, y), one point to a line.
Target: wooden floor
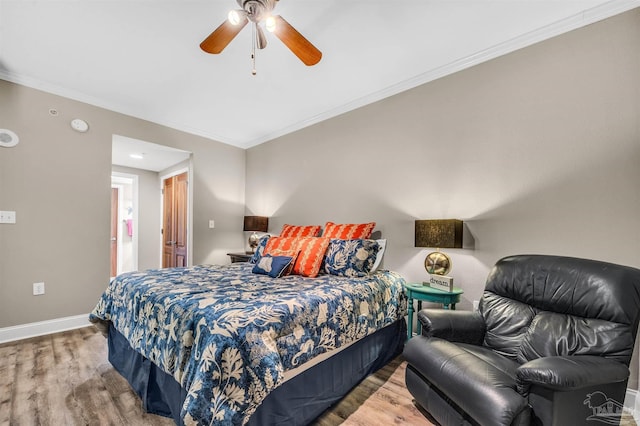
(65, 379)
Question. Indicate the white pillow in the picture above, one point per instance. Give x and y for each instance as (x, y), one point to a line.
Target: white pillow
(378, 261)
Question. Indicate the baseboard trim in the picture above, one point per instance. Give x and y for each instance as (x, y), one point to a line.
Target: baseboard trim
(40, 328)
(632, 404)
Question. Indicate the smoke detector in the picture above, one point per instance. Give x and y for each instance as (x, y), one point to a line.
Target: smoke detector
(79, 125)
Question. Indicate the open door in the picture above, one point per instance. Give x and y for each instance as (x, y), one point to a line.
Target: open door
(174, 221)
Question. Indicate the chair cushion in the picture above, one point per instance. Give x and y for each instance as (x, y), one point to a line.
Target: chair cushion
(580, 306)
(478, 380)
(580, 287)
(507, 322)
(553, 334)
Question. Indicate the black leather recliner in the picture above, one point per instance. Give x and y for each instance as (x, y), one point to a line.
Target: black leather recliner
(550, 345)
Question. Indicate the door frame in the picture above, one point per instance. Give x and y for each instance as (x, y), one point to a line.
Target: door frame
(179, 171)
(122, 177)
(118, 188)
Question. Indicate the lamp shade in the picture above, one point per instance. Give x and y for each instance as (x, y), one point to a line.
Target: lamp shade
(256, 223)
(442, 233)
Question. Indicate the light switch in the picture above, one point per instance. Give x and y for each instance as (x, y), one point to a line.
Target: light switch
(38, 289)
(211, 224)
(7, 216)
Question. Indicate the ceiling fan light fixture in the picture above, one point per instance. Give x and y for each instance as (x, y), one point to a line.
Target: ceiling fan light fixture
(235, 16)
(270, 23)
(259, 12)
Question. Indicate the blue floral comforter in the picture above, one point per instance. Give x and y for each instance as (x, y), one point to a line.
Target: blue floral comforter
(227, 335)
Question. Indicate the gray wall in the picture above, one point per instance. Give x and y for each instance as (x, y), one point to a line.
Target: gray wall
(58, 182)
(537, 151)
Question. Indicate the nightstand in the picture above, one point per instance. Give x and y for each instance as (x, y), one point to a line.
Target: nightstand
(239, 257)
(422, 292)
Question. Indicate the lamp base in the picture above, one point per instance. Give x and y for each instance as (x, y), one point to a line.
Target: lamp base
(437, 263)
(253, 241)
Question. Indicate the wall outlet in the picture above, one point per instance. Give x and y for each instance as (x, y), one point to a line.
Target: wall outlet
(7, 216)
(38, 289)
(476, 303)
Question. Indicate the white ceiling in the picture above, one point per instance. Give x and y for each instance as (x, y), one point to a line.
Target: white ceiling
(142, 57)
(139, 154)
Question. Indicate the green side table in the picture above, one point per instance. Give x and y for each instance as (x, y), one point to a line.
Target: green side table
(422, 292)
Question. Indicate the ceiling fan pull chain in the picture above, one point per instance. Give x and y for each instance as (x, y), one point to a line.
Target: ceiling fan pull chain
(253, 61)
(253, 49)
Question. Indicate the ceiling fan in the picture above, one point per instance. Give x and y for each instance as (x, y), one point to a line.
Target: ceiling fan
(258, 11)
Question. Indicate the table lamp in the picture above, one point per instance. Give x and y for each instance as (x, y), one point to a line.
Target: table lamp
(441, 233)
(255, 224)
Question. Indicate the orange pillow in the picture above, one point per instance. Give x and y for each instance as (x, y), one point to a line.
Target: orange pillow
(310, 254)
(300, 231)
(281, 246)
(348, 231)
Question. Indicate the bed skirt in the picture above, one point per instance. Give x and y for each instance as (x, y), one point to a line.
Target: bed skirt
(297, 401)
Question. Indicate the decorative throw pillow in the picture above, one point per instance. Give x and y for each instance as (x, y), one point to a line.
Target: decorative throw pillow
(351, 258)
(383, 246)
(281, 246)
(259, 249)
(274, 266)
(348, 231)
(311, 251)
(300, 231)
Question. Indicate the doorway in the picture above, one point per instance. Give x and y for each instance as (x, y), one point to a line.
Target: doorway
(175, 196)
(149, 163)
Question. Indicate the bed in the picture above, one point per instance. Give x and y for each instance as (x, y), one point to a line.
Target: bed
(224, 345)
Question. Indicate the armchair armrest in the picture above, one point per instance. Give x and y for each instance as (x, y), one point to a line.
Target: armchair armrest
(454, 326)
(569, 372)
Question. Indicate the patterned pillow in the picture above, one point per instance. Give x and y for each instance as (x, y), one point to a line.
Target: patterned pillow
(274, 266)
(259, 249)
(351, 258)
(300, 231)
(383, 246)
(348, 231)
(311, 251)
(282, 246)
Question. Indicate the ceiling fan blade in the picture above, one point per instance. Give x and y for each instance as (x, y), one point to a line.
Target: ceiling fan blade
(300, 46)
(222, 36)
(261, 40)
